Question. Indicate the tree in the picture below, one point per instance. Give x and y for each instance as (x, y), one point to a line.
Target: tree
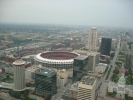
(116, 71)
(126, 73)
(130, 72)
(7, 76)
(26, 93)
(17, 95)
(112, 55)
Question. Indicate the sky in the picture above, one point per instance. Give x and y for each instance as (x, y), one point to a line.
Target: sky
(116, 13)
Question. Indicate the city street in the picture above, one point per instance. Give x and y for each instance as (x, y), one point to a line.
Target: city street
(103, 88)
(58, 95)
(114, 60)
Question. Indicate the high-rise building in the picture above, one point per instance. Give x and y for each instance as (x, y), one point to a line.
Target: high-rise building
(80, 67)
(129, 60)
(132, 47)
(123, 43)
(45, 82)
(93, 39)
(0, 74)
(105, 46)
(93, 61)
(86, 88)
(19, 75)
(113, 44)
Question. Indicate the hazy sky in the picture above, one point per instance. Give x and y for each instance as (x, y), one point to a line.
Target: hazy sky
(74, 12)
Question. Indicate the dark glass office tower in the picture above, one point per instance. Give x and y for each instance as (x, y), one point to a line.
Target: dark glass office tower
(105, 46)
(80, 67)
(45, 82)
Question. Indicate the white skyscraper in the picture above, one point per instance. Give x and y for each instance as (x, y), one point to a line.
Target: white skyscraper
(93, 39)
(19, 75)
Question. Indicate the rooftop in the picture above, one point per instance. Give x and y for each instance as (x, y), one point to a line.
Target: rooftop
(88, 80)
(93, 53)
(45, 71)
(74, 86)
(101, 65)
(19, 62)
(122, 79)
(81, 57)
(63, 73)
(56, 55)
(32, 68)
(83, 52)
(28, 56)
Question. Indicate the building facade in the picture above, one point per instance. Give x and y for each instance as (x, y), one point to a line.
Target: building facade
(132, 47)
(80, 67)
(93, 39)
(63, 77)
(0, 74)
(19, 75)
(93, 61)
(105, 46)
(114, 44)
(86, 88)
(45, 82)
(123, 43)
(128, 59)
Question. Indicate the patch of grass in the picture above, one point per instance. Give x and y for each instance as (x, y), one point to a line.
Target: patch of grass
(111, 94)
(115, 78)
(121, 56)
(29, 85)
(121, 59)
(7, 79)
(128, 80)
(118, 63)
(116, 71)
(121, 53)
(128, 98)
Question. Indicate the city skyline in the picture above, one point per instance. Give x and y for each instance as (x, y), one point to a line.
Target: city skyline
(88, 12)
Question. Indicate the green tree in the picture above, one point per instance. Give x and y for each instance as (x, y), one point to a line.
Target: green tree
(17, 95)
(126, 73)
(130, 73)
(112, 55)
(7, 76)
(26, 93)
(116, 71)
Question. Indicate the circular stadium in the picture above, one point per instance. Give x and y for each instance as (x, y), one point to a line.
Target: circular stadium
(55, 59)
